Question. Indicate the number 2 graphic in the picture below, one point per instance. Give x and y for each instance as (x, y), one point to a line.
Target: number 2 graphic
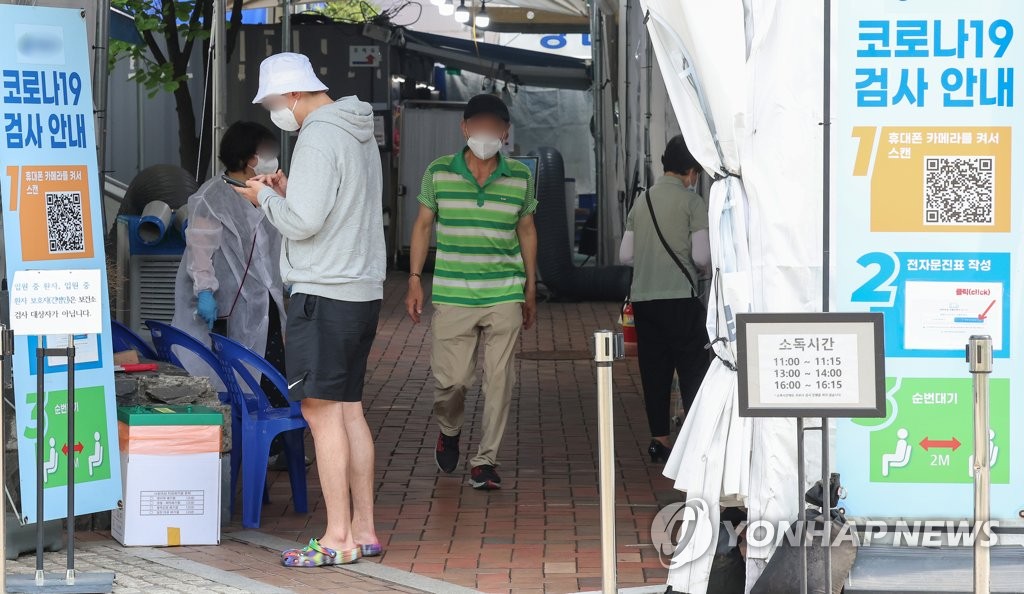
(879, 288)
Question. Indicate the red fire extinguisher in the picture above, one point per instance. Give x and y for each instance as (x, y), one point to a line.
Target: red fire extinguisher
(628, 325)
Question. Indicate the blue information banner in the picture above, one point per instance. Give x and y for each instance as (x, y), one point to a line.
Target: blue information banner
(52, 220)
(928, 226)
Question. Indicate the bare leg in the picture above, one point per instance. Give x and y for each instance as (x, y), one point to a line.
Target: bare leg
(360, 472)
(327, 422)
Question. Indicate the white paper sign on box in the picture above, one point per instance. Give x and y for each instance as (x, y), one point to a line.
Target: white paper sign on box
(56, 302)
(169, 500)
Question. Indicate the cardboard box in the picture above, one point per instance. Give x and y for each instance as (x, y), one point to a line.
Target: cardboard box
(171, 467)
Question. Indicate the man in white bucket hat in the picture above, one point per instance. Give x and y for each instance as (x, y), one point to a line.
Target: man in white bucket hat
(334, 258)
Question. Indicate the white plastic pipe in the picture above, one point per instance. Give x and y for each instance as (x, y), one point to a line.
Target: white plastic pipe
(155, 220)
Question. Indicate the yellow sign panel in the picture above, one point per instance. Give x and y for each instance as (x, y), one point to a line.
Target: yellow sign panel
(936, 179)
(55, 214)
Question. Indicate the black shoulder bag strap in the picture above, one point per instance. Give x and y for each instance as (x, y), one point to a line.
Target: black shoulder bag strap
(668, 248)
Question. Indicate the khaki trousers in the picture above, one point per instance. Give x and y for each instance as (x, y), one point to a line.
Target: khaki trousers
(458, 333)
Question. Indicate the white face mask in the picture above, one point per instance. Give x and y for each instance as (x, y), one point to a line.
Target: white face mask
(284, 118)
(696, 184)
(265, 166)
(484, 146)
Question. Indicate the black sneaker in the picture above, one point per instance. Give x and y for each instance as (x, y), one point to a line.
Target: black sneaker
(447, 453)
(485, 478)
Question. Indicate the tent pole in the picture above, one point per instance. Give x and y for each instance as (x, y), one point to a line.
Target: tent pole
(101, 76)
(826, 176)
(219, 66)
(625, 8)
(596, 43)
(826, 485)
(286, 46)
(648, 87)
(140, 143)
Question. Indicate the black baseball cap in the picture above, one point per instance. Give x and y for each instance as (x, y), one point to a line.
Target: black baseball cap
(486, 104)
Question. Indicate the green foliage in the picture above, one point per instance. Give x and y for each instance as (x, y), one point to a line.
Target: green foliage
(170, 30)
(179, 24)
(353, 11)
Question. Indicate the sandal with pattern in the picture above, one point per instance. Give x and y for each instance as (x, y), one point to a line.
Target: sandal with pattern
(316, 555)
(365, 550)
(298, 551)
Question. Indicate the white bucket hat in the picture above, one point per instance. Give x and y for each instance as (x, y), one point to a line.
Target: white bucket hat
(287, 73)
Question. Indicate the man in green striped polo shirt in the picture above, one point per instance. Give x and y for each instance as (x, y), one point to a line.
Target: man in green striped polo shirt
(484, 279)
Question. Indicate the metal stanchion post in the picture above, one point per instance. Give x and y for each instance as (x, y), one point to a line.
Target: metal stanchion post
(607, 347)
(71, 452)
(40, 460)
(826, 508)
(72, 580)
(807, 538)
(979, 358)
(804, 533)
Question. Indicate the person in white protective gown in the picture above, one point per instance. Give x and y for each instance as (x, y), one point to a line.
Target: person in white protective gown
(229, 281)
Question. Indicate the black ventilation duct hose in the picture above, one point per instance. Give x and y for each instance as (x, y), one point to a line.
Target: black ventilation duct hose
(167, 183)
(554, 254)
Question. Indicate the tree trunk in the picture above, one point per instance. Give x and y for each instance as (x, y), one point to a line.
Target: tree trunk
(234, 29)
(187, 140)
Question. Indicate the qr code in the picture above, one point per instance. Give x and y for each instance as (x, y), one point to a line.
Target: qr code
(959, 190)
(65, 225)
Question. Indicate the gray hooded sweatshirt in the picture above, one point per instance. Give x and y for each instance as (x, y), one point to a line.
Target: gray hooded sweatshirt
(331, 220)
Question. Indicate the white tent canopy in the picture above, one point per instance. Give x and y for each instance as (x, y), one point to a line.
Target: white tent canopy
(744, 78)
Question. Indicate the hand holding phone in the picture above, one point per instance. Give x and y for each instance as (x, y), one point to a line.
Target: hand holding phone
(233, 182)
(249, 192)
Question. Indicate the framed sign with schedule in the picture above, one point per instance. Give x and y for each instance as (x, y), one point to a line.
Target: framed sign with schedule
(811, 365)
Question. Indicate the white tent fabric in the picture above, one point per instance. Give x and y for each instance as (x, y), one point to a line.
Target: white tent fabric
(700, 46)
(744, 78)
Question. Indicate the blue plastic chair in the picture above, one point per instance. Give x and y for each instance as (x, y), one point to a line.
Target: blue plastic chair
(254, 488)
(123, 339)
(165, 338)
(261, 423)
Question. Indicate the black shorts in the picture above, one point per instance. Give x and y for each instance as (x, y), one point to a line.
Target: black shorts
(326, 347)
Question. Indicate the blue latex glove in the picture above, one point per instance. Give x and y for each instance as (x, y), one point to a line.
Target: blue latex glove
(206, 307)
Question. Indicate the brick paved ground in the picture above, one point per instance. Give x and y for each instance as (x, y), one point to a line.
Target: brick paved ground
(231, 568)
(541, 532)
(265, 567)
(136, 570)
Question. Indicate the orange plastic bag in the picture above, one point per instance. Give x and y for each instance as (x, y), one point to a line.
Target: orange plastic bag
(169, 440)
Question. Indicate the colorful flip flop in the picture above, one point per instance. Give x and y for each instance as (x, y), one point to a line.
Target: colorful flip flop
(316, 555)
(366, 550)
